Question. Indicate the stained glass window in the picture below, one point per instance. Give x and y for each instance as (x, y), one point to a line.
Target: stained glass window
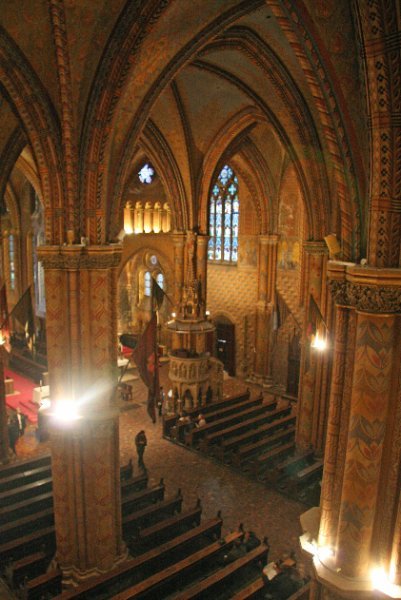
(224, 218)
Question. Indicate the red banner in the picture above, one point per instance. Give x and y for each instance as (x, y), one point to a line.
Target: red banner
(147, 361)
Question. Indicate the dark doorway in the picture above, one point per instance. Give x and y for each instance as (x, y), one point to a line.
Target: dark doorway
(225, 335)
(294, 359)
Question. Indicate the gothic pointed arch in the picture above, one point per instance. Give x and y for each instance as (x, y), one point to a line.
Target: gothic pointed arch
(36, 114)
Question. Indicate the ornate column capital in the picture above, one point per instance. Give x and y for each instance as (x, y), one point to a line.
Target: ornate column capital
(316, 247)
(368, 289)
(78, 257)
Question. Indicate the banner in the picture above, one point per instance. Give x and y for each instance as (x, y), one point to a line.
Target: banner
(147, 361)
(4, 319)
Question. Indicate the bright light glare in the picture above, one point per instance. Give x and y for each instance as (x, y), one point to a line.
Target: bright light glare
(128, 229)
(324, 553)
(2, 339)
(207, 313)
(381, 582)
(319, 343)
(66, 411)
(173, 315)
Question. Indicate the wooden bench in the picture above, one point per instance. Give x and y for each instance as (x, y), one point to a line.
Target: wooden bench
(27, 524)
(25, 492)
(26, 568)
(181, 573)
(169, 422)
(290, 467)
(210, 586)
(178, 431)
(248, 451)
(163, 531)
(205, 432)
(302, 593)
(266, 459)
(26, 507)
(305, 476)
(44, 586)
(134, 484)
(151, 514)
(251, 591)
(218, 437)
(143, 498)
(135, 569)
(25, 477)
(231, 446)
(24, 465)
(28, 544)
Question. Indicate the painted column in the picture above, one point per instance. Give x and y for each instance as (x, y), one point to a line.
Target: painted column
(81, 298)
(264, 308)
(360, 514)
(4, 441)
(178, 243)
(311, 402)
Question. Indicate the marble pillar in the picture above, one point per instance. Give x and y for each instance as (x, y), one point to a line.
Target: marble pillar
(81, 303)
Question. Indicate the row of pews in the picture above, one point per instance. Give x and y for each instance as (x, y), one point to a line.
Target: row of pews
(255, 435)
(173, 554)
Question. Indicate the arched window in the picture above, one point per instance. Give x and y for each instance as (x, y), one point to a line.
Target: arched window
(148, 284)
(11, 260)
(160, 280)
(224, 218)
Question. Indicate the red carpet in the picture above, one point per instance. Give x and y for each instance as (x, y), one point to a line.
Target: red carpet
(23, 399)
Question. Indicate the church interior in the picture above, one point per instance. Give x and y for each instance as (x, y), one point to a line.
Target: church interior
(221, 179)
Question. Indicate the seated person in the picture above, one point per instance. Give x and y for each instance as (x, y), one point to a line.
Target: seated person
(251, 541)
(201, 421)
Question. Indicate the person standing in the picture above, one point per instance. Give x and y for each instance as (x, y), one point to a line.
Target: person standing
(21, 418)
(141, 443)
(13, 433)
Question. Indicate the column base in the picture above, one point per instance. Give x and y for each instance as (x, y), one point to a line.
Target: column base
(73, 576)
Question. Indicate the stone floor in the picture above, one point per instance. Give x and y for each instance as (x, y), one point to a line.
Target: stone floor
(239, 499)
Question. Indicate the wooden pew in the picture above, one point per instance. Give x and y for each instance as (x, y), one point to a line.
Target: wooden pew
(230, 447)
(126, 471)
(24, 478)
(248, 451)
(134, 484)
(26, 492)
(28, 544)
(26, 507)
(251, 591)
(181, 573)
(201, 433)
(306, 476)
(163, 531)
(151, 514)
(177, 432)
(169, 422)
(26, 568)
(26, 525)
(145, 565)
(218, 437)
(143, 498)
(44, 586)
(210, 586)
(302, 593)
(266, 460)
(289, 467)
(24, 465)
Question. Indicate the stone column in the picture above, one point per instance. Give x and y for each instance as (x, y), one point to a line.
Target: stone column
(313, 364)
(265, 305)
(202, 242)
(360, 514)
(4, 442)
(81, 297)
(178, 243)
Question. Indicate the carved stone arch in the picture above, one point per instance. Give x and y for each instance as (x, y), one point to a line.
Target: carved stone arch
(224, 145)
(9, 157)
(36, 114)
(116, 70)
(138, 255)
(27, 167)
(248, 175)
(13, 208)
(296, 25)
